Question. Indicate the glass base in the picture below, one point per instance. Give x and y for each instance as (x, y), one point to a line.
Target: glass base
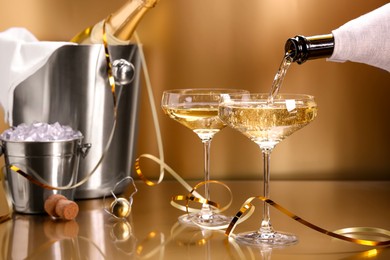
(215, 221)
(272, 239)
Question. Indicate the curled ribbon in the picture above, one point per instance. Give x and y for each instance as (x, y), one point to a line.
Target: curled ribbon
(191, 196)
(15, 168)
(339, 234)
(111, 79)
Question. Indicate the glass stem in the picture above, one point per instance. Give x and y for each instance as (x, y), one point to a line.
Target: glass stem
(206, 148)
(266, 227)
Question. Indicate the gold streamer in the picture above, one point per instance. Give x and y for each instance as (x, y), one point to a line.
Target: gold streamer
(38, 180)
(164, 166)
(111, 79)
(30, 178)
(192, 196)
(7, 216)
(339, 234)
(82, 35)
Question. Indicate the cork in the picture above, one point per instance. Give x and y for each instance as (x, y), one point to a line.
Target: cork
(51, 202)
(67, 209)
(59, 206)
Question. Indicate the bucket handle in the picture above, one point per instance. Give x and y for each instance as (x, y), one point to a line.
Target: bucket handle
(83, 149)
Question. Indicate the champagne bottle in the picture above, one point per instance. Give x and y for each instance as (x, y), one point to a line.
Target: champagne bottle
(119, 26)
(365, 39)
(301, 48)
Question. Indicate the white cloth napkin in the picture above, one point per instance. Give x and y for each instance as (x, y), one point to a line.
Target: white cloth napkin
(21, 55)
(365, 39)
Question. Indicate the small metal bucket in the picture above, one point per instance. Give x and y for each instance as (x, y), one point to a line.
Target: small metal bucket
(56, 162)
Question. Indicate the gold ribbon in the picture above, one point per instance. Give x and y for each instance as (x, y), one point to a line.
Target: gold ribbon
(30, 178)
(193, 198)
(7, 216)
(39, 181)
(111, 79)
(339, 234)
(193, 195)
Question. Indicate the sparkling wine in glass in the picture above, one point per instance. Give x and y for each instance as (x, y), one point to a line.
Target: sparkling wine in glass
(197, 109)
(267, 123)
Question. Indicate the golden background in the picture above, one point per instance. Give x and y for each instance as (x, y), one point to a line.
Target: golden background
(240, 43)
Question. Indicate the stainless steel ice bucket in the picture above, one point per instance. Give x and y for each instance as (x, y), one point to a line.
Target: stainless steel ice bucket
(56, 162)
(72, 88)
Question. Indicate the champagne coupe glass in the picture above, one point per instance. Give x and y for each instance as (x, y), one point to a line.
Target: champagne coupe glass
(267, 122)
(197, 109)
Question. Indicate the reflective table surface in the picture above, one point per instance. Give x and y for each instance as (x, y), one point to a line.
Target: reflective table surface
(152, 230)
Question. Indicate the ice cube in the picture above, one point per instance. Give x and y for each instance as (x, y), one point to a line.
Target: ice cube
(39, 131)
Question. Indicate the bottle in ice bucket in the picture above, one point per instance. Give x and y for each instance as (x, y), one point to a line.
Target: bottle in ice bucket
(120, 25)
(365, 39)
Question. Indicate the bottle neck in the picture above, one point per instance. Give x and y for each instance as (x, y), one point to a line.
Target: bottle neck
(120, 25)
(124, 21)
(301, 48)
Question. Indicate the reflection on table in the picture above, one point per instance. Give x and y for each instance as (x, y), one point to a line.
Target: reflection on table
(152, 230)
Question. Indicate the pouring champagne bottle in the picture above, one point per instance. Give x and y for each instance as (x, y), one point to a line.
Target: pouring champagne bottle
(365, 39)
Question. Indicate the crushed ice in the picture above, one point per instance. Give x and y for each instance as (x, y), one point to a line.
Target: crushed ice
(38, 131)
